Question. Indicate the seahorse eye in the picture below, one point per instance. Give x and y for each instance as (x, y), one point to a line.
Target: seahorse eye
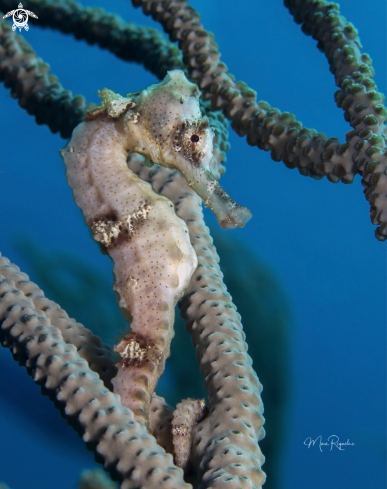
(194, 139)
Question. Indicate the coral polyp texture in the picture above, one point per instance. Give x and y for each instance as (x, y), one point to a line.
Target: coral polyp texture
(141, 166)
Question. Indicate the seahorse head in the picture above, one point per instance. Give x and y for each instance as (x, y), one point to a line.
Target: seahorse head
(174, 132)
(167, 125)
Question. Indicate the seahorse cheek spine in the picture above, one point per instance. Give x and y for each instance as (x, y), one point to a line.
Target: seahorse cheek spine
(150, 247)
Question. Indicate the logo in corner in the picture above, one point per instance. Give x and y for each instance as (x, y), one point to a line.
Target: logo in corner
(20, 18)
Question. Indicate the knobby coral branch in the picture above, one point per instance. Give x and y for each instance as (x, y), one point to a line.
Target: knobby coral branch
(90, 348)
(38, 92)
(224, 447)
(126, 40)
(128, 451)
(312, 153)
(358, 97)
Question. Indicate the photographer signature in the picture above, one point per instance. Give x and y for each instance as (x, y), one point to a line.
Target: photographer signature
(332, 441)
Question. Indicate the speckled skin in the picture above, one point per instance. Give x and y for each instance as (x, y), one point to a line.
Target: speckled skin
(172, 132)
(150, 247)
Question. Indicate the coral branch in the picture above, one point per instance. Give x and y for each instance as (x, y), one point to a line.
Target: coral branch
(127, 450)
(311, 152)
(89, 348)
(88, 345)
(358, 97)
(263, 125)
(224, 449)
(38, 92)
(160, 418)
(126, 40)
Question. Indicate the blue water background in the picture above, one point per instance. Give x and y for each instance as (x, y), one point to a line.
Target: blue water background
(316, 236)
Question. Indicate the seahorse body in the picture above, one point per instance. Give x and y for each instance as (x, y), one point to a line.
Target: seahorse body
(150, 247)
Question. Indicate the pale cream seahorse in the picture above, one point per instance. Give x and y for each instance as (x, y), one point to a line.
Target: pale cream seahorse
(150, 247)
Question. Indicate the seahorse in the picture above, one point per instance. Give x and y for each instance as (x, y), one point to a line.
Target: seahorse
(150, 247)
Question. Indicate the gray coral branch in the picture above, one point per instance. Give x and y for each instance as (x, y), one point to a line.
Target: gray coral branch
(224, 448)
(127, 450)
